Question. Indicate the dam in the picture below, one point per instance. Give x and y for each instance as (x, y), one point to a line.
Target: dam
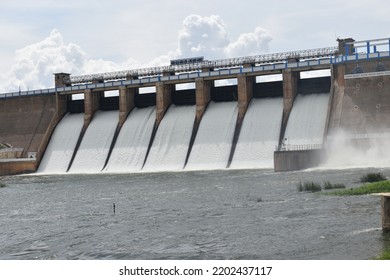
(197, 114)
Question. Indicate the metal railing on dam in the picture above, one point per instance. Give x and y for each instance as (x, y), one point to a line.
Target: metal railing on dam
(321, 58)
(210, 64)
(303, 147)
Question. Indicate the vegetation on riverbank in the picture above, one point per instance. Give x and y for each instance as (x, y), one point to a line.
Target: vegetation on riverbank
(385, 255)
(372, 177)
(308, 187)
(369, 188)
(316, 187)
(375, 183)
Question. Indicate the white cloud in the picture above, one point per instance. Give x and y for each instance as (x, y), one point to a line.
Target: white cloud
(253, 43)
(34, 65)
(203, 36)
(208, 37)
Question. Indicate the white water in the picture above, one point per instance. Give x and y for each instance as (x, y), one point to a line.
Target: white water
(170, 146)
(213, 141)
(132, 143)
(342, 151)
(62, 143)
(93, 151)
(259, 134)
(306, 124)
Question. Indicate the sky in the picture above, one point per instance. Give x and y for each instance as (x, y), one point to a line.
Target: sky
(41, 37)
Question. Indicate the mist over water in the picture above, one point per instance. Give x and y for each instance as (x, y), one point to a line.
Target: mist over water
(344, 150)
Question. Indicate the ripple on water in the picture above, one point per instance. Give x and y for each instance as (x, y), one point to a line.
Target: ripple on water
(194, 215)
(34, 249)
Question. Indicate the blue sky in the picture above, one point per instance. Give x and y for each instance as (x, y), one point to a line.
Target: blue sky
(108, 35)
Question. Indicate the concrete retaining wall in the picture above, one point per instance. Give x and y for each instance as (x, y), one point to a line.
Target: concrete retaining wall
(296, 160)
(9, 153)
(17, 167)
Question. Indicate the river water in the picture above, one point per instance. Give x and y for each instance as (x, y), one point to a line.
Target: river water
(226, 214)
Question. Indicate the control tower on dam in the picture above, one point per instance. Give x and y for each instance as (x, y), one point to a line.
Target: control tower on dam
(356, 89)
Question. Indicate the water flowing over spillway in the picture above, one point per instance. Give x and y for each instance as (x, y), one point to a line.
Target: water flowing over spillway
(131, 146)
(170, 145)
(259, 134)
(306, 123)
(213, 142)
(63, 141)
(94, 148)
(212, 146)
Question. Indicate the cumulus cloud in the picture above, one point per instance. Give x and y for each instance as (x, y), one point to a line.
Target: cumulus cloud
(35, 64)
(253, 43)
(202, 36)
(206, 36)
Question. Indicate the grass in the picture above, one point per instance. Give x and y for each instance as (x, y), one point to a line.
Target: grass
(369, 188)
(329, 186)
(316, 187)
(309, 187)
(384, 256)
(375, 183)
(372, 177)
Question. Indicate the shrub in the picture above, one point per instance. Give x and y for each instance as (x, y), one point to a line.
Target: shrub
(309, 187)
(376, 187)
(329, 186)
(372, 177)
(385, 255)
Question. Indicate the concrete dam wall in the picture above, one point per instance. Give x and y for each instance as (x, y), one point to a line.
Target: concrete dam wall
(24, 121)
(354, 99)
(58, 155)
(362, 99)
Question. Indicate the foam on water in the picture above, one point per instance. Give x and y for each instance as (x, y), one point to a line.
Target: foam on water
(213, 142)
(306, 124)
(131, 146)
(259, 134)
(170, 145)
(94, 148)
(63, 141)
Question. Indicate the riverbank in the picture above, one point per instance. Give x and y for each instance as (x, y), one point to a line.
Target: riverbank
(369, 188)
(384, 256)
